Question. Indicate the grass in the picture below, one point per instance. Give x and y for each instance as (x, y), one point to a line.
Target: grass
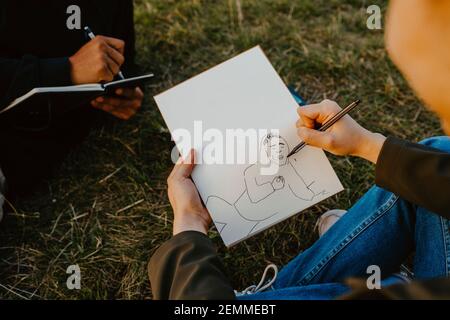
(106, 208)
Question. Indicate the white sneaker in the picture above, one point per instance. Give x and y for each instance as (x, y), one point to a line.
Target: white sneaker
(327, 220)
(262, 285)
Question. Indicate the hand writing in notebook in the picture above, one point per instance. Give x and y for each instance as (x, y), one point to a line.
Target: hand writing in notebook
(99, 60)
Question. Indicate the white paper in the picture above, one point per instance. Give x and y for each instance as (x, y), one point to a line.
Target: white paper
(246, 92)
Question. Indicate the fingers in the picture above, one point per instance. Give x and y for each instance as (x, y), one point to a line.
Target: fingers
(125, 106)
(111, 52)
(316, 113)
(312, 114)
(323, 140)
(119, 103)
(183, 168)
(113, 68)
(111, 105)
(117, 44)
(304, 120)
(130, 93)
(115, 55)
(187, 165)
(103, 71)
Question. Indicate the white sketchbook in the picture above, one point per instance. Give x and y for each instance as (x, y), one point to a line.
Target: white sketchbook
(246, 93)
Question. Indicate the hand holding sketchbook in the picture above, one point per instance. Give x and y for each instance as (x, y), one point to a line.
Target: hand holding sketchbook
(247, 93)
(75, 95)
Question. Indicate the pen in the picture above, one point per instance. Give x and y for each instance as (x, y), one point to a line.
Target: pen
(327, 125)
(91, 36)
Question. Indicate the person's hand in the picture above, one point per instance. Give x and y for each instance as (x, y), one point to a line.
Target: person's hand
(98, 60)
(278, 183)
(124, 105)
(189, 212)
(345, 137)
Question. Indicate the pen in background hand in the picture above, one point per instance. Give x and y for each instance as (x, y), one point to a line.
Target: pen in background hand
(327, 125)
(91, 36)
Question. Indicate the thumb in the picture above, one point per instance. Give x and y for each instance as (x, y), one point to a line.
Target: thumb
(314, 137)
(187, 165)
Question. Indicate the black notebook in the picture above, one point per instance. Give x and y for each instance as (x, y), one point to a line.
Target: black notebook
(75, 94)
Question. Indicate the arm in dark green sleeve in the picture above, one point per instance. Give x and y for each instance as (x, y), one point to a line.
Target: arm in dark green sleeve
(417, 173)
(187, 267)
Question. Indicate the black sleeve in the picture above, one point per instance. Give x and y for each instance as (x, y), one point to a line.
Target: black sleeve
(187, 267)
(124, 29)
(18, 76)
(418, 174)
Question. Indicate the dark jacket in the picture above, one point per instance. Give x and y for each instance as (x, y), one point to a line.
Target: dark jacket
(36, 41)
(187, 266)
(34, 50)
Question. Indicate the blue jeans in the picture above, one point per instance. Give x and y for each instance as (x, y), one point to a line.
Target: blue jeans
(380, 229)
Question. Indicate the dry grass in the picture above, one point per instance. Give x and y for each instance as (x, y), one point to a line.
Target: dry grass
(106, 209)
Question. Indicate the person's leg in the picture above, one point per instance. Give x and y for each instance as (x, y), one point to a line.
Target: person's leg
(321, 291)
(432, 234)
(380, 229)
(377, 230)
(30, 156)
(325, 291)
(432, 258)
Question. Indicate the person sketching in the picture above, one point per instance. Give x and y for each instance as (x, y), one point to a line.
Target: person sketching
(263, 193)
(38, 49)
(407, 211)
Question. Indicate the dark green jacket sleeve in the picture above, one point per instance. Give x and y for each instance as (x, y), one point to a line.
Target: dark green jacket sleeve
(417, 173)
(187, 267)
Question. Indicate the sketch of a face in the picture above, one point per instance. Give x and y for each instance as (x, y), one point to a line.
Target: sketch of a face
(277, 149)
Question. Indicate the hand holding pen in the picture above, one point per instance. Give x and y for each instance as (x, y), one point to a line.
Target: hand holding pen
(91, 36)
(343, 136)
(99, 60)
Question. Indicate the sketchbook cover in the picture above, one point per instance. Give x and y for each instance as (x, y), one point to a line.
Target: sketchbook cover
(246, 93)
(72, 95)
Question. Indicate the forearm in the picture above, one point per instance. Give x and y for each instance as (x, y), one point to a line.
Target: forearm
(370, 146)
(189, 222)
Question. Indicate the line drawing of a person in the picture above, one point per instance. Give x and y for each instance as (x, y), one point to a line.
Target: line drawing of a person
(264, 194)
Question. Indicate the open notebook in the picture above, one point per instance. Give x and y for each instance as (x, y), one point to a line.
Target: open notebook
(79, 93)
(246, 93)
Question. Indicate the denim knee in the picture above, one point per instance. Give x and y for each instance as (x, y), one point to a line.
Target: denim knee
(441, 143)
